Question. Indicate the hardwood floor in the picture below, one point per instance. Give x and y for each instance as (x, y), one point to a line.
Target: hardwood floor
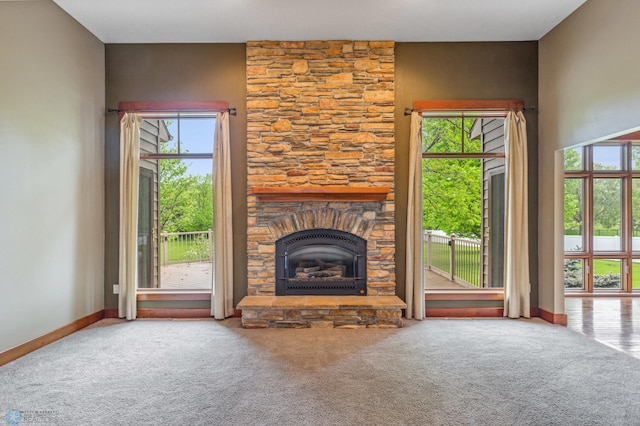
(614, 321)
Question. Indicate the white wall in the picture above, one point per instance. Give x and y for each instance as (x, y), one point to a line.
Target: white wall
(589, 89)
(52, 89)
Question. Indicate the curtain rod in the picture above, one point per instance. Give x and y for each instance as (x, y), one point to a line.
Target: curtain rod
(231, 111)
(409, 111)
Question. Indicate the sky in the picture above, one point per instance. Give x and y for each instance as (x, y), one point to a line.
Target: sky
(608, 157)
(196, 136)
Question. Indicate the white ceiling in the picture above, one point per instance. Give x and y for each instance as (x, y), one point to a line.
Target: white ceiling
(237, 21)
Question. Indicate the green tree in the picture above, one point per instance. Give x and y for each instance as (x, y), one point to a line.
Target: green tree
(174, 189)
(635, 191)
(573, 193)
(607, 205)
(452, 192)
(635, 207)
(186, 201)
(573, 212)
(573, 159)
(199, 213)
(606, 198)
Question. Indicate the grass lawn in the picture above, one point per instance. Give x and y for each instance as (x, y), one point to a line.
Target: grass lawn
(605, 266)
(185, 250)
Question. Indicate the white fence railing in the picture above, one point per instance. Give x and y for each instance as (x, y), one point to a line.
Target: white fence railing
(458, 259)
(184, 247)
(600, 243)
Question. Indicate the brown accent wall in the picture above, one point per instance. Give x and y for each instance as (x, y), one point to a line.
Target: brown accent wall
(491, 70)
(175, 72)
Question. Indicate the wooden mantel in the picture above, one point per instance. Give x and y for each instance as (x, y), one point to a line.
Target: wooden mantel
(320, 193)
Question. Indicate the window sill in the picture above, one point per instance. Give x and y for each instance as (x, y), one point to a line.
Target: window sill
(464, 294)
(160, 294)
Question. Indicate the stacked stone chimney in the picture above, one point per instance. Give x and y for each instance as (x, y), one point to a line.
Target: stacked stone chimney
(320, 114)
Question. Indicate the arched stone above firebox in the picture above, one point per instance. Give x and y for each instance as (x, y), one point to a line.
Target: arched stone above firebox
(327, 218)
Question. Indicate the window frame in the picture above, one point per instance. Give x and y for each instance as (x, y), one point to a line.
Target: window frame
(158, 110)
(483, 156)
(589, 255)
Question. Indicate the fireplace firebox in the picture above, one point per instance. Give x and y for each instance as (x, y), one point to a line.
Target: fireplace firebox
(321, 262)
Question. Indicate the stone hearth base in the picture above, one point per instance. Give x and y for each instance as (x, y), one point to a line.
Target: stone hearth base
(321, 311)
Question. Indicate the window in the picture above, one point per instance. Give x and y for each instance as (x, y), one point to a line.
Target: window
(463, 201)
(175, 218)
(601, 219)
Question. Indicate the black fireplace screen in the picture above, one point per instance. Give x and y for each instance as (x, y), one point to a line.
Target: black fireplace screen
(321, 262)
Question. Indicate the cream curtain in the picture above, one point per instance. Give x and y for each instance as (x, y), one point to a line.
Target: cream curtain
(517, 287)
(414, 267)
(222, 286)
(129, 175)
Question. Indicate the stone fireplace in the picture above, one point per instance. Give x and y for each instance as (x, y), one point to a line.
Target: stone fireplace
(320, 156)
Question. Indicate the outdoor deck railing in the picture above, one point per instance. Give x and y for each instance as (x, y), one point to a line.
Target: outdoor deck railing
(184, 247)
(458, 259)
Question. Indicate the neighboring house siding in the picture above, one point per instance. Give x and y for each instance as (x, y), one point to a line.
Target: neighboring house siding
(492, 134)
(150, 136)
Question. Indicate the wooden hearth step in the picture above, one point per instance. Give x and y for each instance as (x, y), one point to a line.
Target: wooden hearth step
(322, 311)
